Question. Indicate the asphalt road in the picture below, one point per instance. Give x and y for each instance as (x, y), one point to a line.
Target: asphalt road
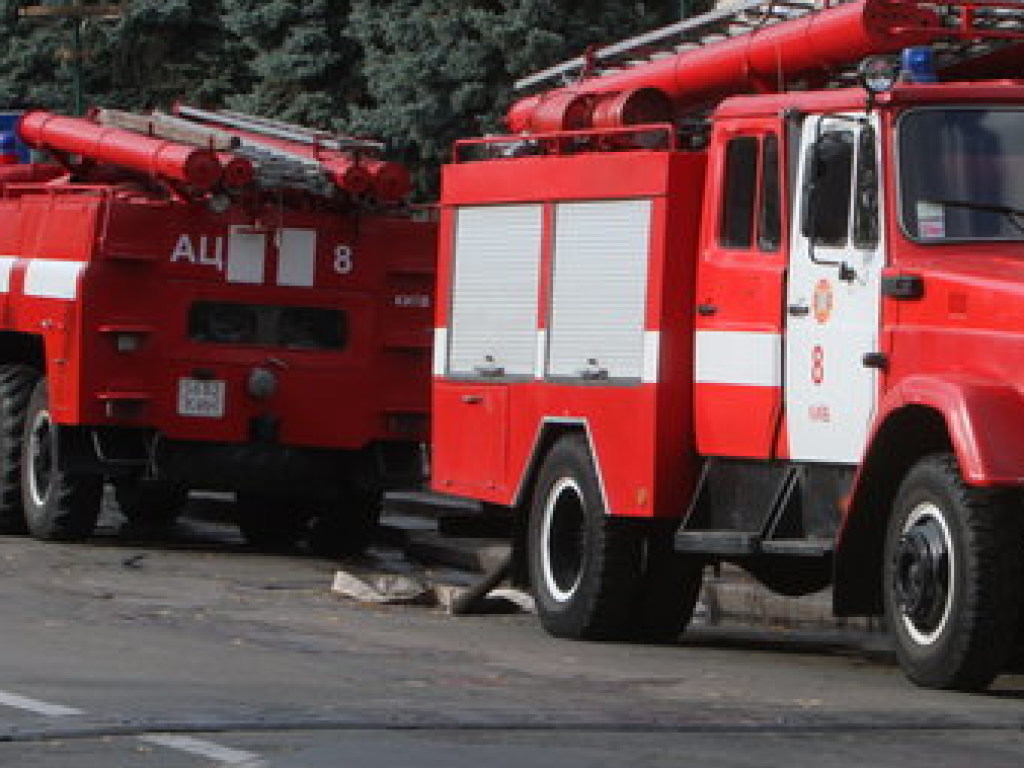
(193, 652)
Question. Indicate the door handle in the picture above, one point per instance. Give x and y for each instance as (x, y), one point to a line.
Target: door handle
(593, 371)
(489, 370)
(799, 310)
(706, 310)
(472, 399)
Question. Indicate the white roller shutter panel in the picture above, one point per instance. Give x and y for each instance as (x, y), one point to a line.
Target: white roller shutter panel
(599, 289)
(494, 292)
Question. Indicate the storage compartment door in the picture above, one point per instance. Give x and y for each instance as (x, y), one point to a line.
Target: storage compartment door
(469, 439)
(599, 290)
(494, 291)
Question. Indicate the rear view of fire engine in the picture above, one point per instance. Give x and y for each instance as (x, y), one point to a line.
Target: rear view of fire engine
(203, 300)
(715, 301)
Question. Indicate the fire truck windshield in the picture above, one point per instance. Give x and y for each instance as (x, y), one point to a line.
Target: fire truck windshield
(962, 174)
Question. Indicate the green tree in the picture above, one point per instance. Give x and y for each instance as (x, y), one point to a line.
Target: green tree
(34, 62)
(159, 51)
(165, 50)
(305, 66)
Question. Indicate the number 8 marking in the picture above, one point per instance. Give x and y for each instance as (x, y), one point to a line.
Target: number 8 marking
(343, 263)
(818, 364)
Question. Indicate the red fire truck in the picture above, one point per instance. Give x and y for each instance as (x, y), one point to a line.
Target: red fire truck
(712, 301)
(206, 300)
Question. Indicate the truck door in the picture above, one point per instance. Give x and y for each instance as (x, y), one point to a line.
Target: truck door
(833, 296)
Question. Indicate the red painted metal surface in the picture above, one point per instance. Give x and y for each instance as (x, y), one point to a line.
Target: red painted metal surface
(743, 291)
(763, 61)
(486, 435)
(747, 288)
(389, 181)
(107, 272)
(35, 172)
(199, 168)
(157, 258)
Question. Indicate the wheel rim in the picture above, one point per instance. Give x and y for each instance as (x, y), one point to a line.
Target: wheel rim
(923, 578)
(40, 457)
(561, 544)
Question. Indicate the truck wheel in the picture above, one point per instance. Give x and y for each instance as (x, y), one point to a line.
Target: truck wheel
(585, 567)
(268, 523)
(349, 529)
(954, 577)
(59, 505)
(669, 589)
(148, 503)
(16, 385)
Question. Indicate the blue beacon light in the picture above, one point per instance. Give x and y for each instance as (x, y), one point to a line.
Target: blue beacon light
(917, 65)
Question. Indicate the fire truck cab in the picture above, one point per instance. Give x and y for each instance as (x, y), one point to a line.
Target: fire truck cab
(782, 332)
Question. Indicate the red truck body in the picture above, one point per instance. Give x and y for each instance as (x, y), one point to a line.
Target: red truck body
(268, 341)
(782, 333)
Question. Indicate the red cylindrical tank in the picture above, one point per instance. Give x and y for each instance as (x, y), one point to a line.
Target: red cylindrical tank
(199, 168)
(348, 175)
(761, 61)
(554, 111)
(635, 107)
(390, 182)
(237, 171)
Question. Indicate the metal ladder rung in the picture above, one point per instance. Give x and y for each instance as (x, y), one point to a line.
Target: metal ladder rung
(705, 28)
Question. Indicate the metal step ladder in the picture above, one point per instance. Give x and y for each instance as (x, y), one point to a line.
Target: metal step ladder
(969, 29)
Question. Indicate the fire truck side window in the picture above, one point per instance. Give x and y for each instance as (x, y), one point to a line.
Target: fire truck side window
(827, 192)
(740, 192)
(769, 225)
(309, 328)
(865, 213)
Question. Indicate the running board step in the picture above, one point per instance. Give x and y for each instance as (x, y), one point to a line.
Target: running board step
(718, 542)
(739, 543)
(798, 547)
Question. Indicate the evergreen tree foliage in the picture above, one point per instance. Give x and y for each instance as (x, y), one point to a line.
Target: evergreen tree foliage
(165, 50)
(305, 65)
(159, 51)
(34, 62)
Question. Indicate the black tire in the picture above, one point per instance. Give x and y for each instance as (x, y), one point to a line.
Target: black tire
(669, 588)
(270, 524)
(59, 505)
(585, 567)
(149, 503)
(349, 529)
(16, 385)
(954, 577)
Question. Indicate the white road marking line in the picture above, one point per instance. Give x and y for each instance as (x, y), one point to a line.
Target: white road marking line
(207, 749)
(225, 756)
(39, 707)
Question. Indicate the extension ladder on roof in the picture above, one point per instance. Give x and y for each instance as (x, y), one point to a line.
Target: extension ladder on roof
(968, 29)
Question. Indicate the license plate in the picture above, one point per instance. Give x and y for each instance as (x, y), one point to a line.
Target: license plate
(202, 398)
